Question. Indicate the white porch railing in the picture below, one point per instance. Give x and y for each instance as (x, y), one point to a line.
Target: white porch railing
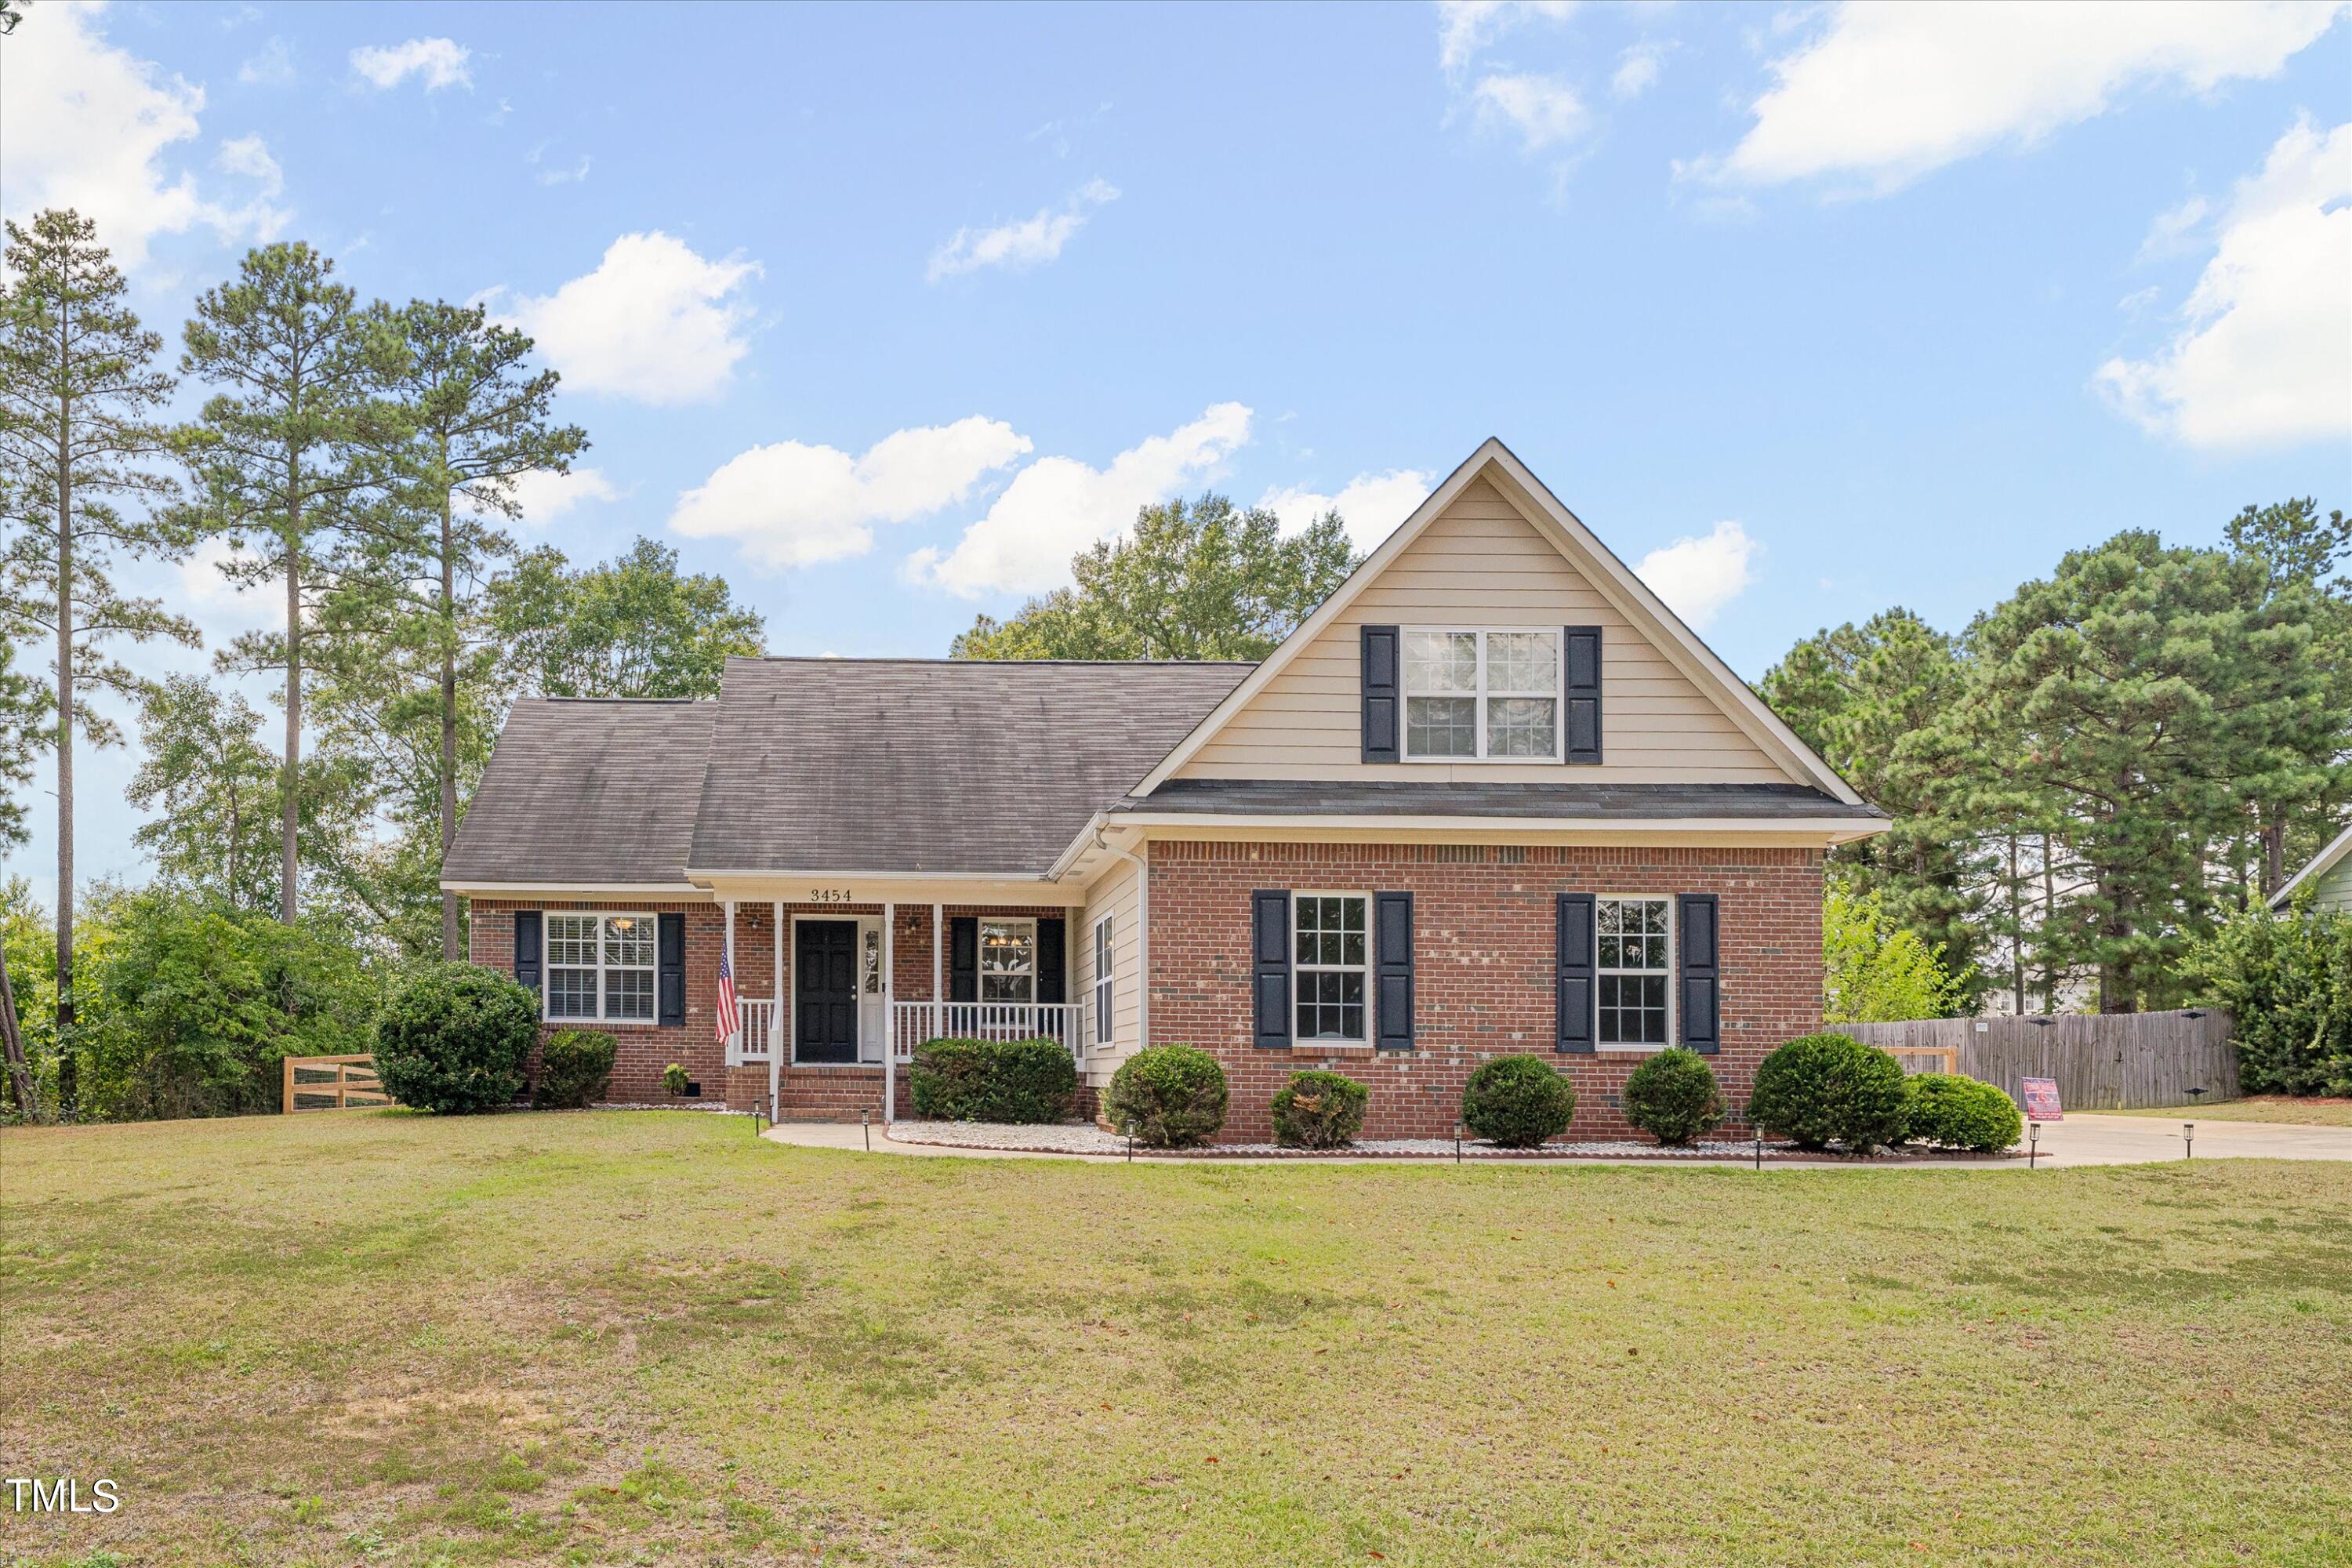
(753, 1043)
(912, 1023)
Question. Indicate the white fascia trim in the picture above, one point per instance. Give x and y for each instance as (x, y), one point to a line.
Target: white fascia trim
(1504, 827)
(2318, 866)
(673, 891)
(706, 877)
(1614, 579)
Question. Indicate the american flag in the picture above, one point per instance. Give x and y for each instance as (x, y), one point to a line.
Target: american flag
(728, 1021)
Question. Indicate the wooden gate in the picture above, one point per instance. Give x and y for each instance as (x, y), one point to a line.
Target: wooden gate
(332, 1083)
(2102, 1061)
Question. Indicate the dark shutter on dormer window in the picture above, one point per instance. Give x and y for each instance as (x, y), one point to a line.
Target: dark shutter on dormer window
(1579, 648)
(1383, 699)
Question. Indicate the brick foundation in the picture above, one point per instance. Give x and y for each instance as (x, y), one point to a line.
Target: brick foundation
(1483, 956)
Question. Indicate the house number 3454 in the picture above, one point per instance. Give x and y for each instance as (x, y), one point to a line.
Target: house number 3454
(830, 896)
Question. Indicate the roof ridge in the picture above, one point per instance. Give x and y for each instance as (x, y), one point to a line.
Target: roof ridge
(996, 663)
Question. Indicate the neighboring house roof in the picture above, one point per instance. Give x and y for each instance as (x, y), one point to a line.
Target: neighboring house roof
(588, 793)
(1588, 801)
(931, 766)
(2317, 870)
(1496, 464)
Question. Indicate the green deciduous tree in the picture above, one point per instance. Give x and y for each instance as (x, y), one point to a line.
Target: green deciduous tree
(1202, 581)
(634, 627)
(214, 787)
(1877, 971)
(78, 390)
(278, 458)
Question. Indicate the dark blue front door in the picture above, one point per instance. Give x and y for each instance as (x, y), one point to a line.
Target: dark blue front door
(824, 990)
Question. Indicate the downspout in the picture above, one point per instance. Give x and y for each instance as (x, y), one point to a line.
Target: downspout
(1142, 938)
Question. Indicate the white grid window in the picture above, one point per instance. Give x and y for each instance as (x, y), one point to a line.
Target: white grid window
(1635, 971)
(1480, 694)
(1008, 961)
(600, 968)
(1333, 959)
(1104, 992)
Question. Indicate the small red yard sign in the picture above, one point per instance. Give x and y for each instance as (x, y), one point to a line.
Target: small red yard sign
(2042, 1099)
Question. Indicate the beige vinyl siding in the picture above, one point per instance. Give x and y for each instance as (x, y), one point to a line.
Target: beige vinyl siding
(1481, 565)
(1113, 893)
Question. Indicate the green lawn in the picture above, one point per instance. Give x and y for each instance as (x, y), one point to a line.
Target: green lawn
(369, 1338)
(2258, 1107)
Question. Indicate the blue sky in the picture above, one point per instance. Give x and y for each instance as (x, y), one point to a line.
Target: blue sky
(881, 312)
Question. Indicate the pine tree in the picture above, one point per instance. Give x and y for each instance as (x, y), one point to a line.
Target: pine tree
(78, 390)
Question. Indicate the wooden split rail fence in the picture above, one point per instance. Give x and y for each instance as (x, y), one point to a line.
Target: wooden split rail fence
(332, 1083)
(2102, 1061)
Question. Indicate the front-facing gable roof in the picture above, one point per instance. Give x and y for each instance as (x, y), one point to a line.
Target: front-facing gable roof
(929, 767)
(1710, 681)
(2317, 870)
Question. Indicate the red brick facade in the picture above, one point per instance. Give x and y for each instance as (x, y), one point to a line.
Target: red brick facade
(1483, 956)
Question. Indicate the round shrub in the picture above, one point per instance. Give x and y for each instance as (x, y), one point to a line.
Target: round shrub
(573, 1069)
(1518, 1101)
(1962, 1113)
(1672, 1097)
(1025, 1082)
(1167, 1097)
(453, 1038)
(674, 1079)
(1318, 1109)
(1820, 1089)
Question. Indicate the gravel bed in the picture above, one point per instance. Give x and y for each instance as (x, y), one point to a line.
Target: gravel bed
(1085, 1138)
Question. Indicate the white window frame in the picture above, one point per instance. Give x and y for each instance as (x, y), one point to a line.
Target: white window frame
(1366, 968)
(1557, 694)
(980, 966)
(1667, 974)
(548, 966)
(1105, 986)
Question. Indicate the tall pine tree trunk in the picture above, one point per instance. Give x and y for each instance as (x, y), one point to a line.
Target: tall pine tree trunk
(2017, 931)
(20, 1076)
(2274, 842)
(290, 858)
(2049, 913)
(68, 1075)
(449, 932)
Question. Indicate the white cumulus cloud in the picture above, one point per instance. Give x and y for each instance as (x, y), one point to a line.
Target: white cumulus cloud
(1637, 69)
(1058, 506)
(1884, 94)
(87, 125)
(442, 62)
(1543, 110)
(2263, 355)
(1371, 504)
(1466, 27)
(654, 321)
(791, 504)
(1698, 577)
(1031, 242)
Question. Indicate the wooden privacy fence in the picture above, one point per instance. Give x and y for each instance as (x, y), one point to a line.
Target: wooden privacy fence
(332, 1083)
(2102, 1061)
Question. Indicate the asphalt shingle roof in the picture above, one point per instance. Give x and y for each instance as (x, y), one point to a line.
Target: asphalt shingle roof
(586, 790)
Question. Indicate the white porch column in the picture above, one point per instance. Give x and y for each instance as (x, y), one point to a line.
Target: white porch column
(939, 1012)
(890, 1016)
(776, 1009)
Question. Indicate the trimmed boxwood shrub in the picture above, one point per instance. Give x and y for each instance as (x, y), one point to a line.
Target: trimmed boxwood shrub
(994, 1080)
(573, 1069)
(1672, 1097)
(453, 1037)
(1318, 1109)
(1167, 1097)
(1961, 1113)
(1820, 1089)
(674, 1079)
(1518, 1101)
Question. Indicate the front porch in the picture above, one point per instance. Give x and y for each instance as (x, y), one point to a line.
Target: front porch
(834, 999)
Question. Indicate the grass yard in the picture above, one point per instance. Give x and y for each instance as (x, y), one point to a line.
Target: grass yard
(2298, 1110)
(367, 1338)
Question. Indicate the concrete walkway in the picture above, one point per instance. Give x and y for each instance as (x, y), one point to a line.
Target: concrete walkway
(2081, 1140)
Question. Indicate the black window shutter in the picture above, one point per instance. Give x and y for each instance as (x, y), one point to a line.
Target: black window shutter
(1383, 703)
(1702, 984)
(1393, 930)
(1052, 961)
(529, 924)
(1579, 648)
(963, 959)
(1270, 967)
(669, 958)
(1573, 978)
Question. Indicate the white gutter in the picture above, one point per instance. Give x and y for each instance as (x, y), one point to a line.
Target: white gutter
(1142, 940)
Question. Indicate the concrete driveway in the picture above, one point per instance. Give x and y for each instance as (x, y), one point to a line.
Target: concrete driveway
(2080, 1139)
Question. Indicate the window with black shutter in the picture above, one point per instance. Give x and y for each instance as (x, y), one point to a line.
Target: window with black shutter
(1581, 692)
(1392, 946)
(1380, 674)
(1270, 968)
(1572, 974)
(1701, 970)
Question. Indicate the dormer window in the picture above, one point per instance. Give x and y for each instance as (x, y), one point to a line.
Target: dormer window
(1481, 695)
